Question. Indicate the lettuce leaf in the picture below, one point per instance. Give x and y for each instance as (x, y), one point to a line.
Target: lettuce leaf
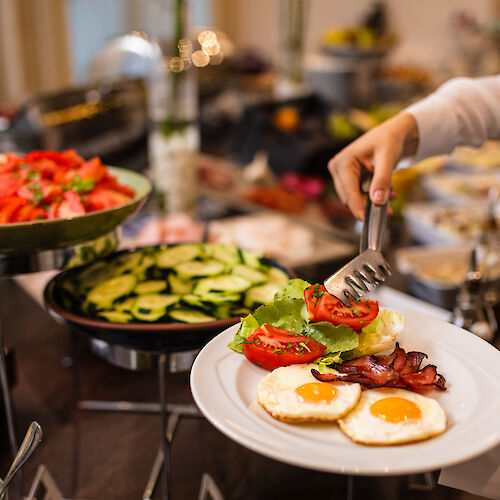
(294, 290)
(248, 325)
(379, 335)
(288, 314)
(337, 339)
(328, 360)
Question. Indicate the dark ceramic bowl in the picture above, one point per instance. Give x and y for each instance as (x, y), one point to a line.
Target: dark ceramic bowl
(145, 336)
(24, 237)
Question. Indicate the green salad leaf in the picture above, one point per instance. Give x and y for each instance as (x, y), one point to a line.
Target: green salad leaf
(336, 338)
(294, 290)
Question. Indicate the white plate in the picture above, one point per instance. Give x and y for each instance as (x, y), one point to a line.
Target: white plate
(420, 222)
(224, 386)
(447, 187)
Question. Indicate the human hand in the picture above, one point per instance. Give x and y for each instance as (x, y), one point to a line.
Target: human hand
(377, 151)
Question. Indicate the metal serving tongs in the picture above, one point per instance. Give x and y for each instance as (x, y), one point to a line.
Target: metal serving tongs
(28, 446)
(369, 268)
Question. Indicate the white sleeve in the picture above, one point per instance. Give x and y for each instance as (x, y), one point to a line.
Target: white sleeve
(463, 111)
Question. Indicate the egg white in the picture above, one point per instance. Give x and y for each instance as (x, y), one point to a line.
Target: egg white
(276, 393)
(363, 427)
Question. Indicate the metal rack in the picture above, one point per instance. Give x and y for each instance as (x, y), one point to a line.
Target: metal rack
(164, 360)
(12, 264)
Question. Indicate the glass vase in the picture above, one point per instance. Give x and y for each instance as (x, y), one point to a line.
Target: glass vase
(174, 136)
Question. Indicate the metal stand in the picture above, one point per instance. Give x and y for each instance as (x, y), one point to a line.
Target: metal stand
(165, 445)
(132, 359)
(9, 412)
(14, 263)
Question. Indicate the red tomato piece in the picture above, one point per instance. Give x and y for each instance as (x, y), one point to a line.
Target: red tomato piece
(53, 210)
(70, 206)
(40, 156)
(8, 207)
(111, 182)
(322, 306)
(23, 214)
(38, 213)
(9, 185)
(8, 162)
(92, 169)
(73, 159)
(101, 199)
(51, 191)
(272, 347)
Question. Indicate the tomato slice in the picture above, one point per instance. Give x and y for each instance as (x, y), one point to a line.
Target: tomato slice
(9, 185)
(322, 306)
(101, 199)
(70, 206)
(272, 347)
(111, 182)
(92, 169)
(8, 162)
(8, 207)
(60, 159)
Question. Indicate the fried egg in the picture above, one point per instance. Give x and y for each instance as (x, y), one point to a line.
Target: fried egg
(292, 394)
(393, 416)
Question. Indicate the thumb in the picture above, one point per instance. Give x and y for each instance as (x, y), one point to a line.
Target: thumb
(380, 187)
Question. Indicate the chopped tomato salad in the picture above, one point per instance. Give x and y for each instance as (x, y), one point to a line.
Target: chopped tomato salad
(272, 347)
(51, 185)
(322, 306)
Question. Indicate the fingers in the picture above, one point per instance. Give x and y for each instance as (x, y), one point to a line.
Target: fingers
(346, 173)
(380, 188)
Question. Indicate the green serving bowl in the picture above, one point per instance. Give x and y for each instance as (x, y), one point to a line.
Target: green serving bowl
(27, 237)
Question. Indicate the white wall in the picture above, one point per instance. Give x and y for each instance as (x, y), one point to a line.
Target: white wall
(421, 24)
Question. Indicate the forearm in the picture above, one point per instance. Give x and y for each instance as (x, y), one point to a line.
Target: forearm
(462, 111)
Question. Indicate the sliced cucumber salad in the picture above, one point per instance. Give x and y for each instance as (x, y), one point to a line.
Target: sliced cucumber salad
(188, 283)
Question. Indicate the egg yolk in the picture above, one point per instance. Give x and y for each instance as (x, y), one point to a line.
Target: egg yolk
(395, 410)
(316, 392)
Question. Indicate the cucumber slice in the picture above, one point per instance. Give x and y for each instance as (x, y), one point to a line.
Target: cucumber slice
(91, 271)
(198, 268)
(126, 305)
(224, 283)
(249, 273)
(223, 311)
(262, 294)
(126, 262)
(94, 275)
(141, 271)
(116, 316)
(155, 302)
(190, 316)
(180, 286)
(172, 256)
(147, 315)
(278, 276)
(192, 300)
(220, 298)
(151, 286)
(226, 253)
(251, 259)
(106, 293)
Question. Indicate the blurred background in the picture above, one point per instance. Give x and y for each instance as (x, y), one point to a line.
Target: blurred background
(234, 108)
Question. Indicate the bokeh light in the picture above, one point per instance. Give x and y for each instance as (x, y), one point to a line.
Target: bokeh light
(200, 59)
(175, 64)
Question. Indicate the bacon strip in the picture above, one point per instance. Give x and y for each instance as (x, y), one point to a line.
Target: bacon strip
(398, 369)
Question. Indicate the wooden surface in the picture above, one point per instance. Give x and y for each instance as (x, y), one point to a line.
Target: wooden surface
(108, 456)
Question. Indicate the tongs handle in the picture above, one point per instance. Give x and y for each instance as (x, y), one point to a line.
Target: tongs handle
(373, 226)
